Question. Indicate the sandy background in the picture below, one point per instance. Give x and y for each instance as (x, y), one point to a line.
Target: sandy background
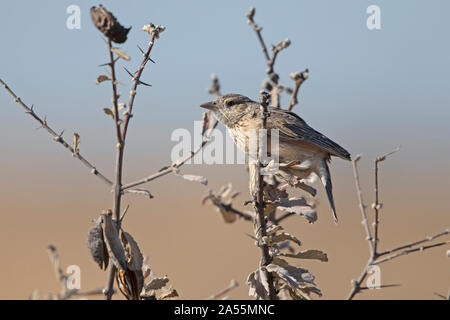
(192, 245)
(368, 91)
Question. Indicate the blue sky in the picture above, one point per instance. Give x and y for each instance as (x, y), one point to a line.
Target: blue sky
(369, 90)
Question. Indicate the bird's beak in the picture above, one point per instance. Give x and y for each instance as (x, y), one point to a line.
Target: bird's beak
(209, 105)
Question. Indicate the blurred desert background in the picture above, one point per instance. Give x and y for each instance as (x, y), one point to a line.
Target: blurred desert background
(370, 91)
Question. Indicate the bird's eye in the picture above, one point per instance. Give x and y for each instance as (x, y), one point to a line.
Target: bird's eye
(230, 103)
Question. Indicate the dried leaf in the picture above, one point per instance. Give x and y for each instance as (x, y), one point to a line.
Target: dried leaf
(298, 206)
(307, 254)
(156, 284)
(228, 216)
(207, 197)
(276, 192)
(115, 249)
(102, 78)
(121, 54)
(273, 228)
(96, 244)
(293, 181)
(258, 287)
(171, 293)
(141, 192)
(283, 236)
(76, 143)
(54, 258)
(109, 112)
(286, 245)
(300, 274)
(283, 274)
(132, 252)
(194, 178)
(207, 122)
(280, 262)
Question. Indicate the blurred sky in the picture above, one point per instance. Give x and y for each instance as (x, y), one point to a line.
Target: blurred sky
(390, 85)
(370, 91)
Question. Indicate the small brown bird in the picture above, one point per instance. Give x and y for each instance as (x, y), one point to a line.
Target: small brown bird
(305, 150)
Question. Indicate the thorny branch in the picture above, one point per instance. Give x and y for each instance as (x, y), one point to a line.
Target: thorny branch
(121, 137)
(115, 97)
(136, 81)
(175, 165)
(384, 256)
(57, 137)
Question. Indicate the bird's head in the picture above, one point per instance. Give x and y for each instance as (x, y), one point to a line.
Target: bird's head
(230, 107)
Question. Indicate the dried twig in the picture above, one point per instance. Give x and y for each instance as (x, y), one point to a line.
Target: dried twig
(257, 192)
(65, 292)
(215, 86)
(115, 97)
(384, 256)
(377, 205)
(274, 87)
(136, 81)
(56, 137)
(231, 286)
(298, 78)
(121, 137)
(362, 207)
(177, 164)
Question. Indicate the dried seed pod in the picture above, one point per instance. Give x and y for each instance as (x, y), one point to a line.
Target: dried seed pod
(108, 24)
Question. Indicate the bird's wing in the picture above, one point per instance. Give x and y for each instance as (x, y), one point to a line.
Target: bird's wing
(292, 127)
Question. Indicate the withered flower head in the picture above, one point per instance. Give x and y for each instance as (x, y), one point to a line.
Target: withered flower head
(108, 24)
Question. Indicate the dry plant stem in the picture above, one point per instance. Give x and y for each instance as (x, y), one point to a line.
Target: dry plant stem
(261, 226)
(243, 215)
(270, 60)
(136, 81)
(169, 169)
(284, 216)
(115, 97)
(294, 96)
(259, 205)
(65, 292)
(166, 170)
(257, 30)
(231, 286)
(121, 137)
(376, 209)
(407, 251)
(416, 243)
(377, 204)
(294, 100)
(362, 207)
(56, 137)
(109, 287)
(380, 257)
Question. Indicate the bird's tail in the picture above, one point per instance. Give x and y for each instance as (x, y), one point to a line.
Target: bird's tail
(325, 177)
